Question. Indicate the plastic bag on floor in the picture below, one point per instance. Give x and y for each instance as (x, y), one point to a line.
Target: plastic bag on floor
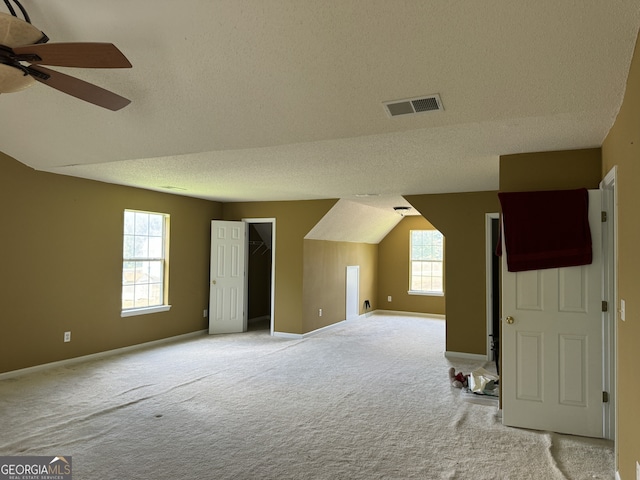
(483, 382)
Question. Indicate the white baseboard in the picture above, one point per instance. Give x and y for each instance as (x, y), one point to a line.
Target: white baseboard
(313, 332)
(411, 314)
(618, 477)
(300, 336)
(93, 356)
(359, 317)
(466, 356)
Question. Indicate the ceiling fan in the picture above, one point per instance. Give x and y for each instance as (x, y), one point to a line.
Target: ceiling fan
(24, 49)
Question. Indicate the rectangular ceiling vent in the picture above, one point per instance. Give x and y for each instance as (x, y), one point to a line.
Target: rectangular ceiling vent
(410, 106)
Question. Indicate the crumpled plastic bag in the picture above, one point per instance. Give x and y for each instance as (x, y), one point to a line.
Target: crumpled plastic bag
(483, 382)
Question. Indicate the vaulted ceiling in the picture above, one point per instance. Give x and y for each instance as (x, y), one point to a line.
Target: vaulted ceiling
(252, 100)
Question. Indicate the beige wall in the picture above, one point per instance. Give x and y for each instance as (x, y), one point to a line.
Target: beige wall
(622, 148)
(563, 170)
(293, 222)
(393, 271)
(61, 248)
(324, 280)
(461, 219)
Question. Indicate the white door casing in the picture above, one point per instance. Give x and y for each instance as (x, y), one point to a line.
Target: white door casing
(609, 291)
(227, 279)
(552, 351)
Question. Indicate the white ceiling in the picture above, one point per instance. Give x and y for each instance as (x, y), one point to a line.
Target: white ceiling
(252, 100)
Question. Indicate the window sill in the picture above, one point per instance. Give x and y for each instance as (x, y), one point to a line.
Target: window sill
(426, 294)
(144, 311)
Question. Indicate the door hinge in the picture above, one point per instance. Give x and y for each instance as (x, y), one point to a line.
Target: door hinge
(605, 397)
(605, 306)
(603, 216)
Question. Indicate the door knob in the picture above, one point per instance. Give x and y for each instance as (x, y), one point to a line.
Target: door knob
(213, 281)
(509, 320)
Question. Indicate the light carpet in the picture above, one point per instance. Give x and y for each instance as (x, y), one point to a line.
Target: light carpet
(366, 399)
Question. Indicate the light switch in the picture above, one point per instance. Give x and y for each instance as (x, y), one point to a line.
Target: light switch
(623, 309)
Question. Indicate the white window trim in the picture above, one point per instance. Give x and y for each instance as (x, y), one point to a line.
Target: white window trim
(426, 293)
(165, 307)
(132, 312)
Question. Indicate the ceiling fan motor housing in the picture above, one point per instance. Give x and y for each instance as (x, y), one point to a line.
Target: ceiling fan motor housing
(15, 32)
(12, 79)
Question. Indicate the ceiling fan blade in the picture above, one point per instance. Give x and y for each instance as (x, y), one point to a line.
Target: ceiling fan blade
(86, 55)
(78, 88)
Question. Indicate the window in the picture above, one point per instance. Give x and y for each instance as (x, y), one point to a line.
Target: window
(144, 263)
(427, 254)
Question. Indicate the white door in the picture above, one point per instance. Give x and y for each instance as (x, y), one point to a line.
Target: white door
(552, 344)
(226, 287)
(353, 292)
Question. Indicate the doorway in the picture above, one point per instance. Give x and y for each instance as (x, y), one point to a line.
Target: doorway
(492, 231)
(260, 278)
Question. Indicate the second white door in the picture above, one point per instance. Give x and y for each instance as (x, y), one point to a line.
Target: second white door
(353, 292)
(227, 279)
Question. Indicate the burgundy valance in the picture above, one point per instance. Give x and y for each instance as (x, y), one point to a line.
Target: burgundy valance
(547, 229)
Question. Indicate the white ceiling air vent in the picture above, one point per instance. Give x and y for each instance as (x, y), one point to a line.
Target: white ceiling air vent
(429, 103)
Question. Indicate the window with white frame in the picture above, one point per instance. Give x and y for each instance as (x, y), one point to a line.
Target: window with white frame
(144, 262)
(426, 262)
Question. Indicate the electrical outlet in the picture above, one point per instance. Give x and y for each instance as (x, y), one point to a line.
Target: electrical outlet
(205, 313)
(319, 312)
(67, 336)
(389, 298)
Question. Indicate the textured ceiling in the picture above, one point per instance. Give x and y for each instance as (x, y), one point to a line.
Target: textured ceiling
(241, 100)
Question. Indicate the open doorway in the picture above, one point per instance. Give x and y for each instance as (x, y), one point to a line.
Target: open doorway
(493, 288)
(259, 302)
